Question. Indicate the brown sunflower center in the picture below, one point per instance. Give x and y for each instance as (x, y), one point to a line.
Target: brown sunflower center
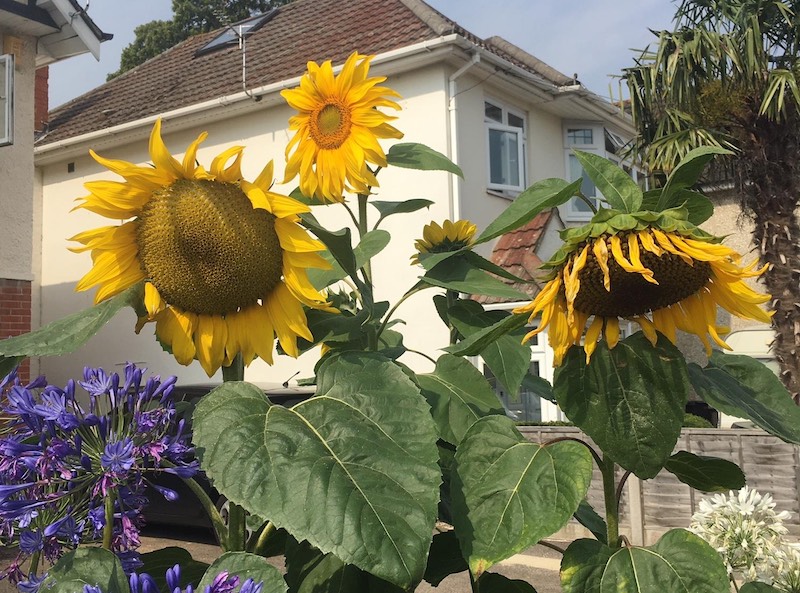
(206, 249)
(329, 124)
(631, 294)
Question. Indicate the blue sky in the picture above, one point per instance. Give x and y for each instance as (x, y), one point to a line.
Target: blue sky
(592, 38)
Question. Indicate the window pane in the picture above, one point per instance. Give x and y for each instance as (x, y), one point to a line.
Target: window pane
(493, 112)
(516, 121)
(504, 157)
(588, 188)
(6, 99)
(579, 136)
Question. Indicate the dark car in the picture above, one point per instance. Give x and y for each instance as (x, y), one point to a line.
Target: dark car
(187, 510)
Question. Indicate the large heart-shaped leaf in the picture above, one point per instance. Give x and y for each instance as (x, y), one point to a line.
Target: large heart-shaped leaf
(245, 566)
(71, 332)
(742, 386)
(157, 562)
(686, 174)
(509, 493)
(95, 567)
(445, 558)
(709, 474)
(460, 275)
(619, 190)
(481, 339)
(547, 193)
(311, 571)
(507, 357)
(758, 587)
(353, 470)
(459, 395)
(492, 582)
(630, 400)
(680, 562)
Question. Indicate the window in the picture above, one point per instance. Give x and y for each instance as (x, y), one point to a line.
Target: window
(6, 100)
(599, 140)
(505, 131)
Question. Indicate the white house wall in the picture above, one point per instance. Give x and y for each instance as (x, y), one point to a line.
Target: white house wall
(423, 119)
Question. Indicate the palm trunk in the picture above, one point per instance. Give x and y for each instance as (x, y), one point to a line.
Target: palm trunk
(771, 189)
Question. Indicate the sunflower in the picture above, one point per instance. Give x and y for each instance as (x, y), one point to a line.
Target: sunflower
(337, 129)
(449, 236)
(663, 280)
(222, 259)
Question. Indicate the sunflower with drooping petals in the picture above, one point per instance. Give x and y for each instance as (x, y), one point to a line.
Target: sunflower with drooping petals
(337, 129)
(663, 280)
(223, 259)
(449, 236)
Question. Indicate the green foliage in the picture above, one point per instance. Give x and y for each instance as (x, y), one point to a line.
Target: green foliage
(86, 566)
(707, 474)
(631, 410)
(679, 562)
(411, 155)
(245, 566)
(157, 562)
(692, 421)
(618, 189)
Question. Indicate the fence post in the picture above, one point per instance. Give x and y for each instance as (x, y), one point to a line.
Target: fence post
(636, 510)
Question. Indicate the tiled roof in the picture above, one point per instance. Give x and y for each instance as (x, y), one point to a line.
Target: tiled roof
(303, 30)
(515, 252)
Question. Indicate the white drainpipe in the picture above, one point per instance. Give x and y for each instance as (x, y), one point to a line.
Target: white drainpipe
(455, 189)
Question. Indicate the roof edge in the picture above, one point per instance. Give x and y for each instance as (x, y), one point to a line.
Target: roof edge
(430, 16)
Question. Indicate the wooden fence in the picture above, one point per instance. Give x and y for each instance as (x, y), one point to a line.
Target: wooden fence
(653, 507)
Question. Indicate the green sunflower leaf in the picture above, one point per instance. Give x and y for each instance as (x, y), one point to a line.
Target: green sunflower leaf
(758, 587)
(588, 517)
(484, 264)
(492, 582)
(618, 189)
(86, 566)
(699, 207)
(544, 194)
(339, 243)
(629, 400)
(478, 341)
(69, 333)
(411, 155)
(686, 174)
(680, 562)
(372, 243)
(363, 450)
(744, 387)
(508, 493)
(708, 474)
(311, 571)
(387, 209)
(507, 357)
(460, 275)
(459, 395)
(245, 566)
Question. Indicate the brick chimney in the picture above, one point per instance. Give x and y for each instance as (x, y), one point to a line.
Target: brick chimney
(41, 99)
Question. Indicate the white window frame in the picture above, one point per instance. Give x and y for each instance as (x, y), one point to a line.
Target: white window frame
(6, 99)
(522, 151)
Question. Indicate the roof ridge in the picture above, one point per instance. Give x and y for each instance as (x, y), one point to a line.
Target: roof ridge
(431, 17)
(538, 66)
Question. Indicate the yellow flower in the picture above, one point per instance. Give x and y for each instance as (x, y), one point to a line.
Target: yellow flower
(223, 259)
(337, 129)
(664, 281)
(450, 236)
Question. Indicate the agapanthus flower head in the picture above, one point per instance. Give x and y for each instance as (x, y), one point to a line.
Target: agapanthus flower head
(337, 127)
(744, 528)
(223, 259)
(441, 238)
(661, 272)
(59, 462)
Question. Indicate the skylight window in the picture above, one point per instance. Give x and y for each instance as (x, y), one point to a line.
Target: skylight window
(232, 33)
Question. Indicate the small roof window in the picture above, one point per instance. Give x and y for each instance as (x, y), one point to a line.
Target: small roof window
(232, 33)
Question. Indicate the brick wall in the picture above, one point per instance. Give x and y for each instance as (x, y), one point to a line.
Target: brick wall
(41, 99)
(15, 313)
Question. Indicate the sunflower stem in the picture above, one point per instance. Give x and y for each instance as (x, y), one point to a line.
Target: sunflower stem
(108, 528)
(363, 229)
(452, 299)
(234, 372)
(588, 202)
(237, 532)
(608, 469)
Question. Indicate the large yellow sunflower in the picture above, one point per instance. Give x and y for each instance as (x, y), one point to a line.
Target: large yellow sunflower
(223, 259)
(337, 129)
(664, 281)
(449, 236)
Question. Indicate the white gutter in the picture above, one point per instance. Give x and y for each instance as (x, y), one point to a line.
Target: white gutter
(455, 184)
(78, 25)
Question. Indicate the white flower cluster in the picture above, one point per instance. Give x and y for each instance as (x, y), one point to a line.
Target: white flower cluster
(749, 535)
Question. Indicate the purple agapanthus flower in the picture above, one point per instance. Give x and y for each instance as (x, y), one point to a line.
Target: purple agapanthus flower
(32, 584)
(61, 463)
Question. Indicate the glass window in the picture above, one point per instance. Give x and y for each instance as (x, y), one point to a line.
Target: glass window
(506, 153)
(580, 136)
(6, 99)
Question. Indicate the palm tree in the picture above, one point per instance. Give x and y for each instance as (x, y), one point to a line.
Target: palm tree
(728, 76)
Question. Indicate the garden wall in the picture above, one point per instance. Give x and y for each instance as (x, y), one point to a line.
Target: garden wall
(652, 508)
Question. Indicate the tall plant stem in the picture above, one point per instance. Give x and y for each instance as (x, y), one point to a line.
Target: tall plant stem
(610, 497)
(237, 532)
(34, 564)
(452, 299)
(363, 228)
(108, 528)
(263, 538)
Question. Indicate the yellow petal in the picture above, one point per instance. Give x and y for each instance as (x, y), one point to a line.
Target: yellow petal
(600, 251)
(210, 337)
(633, 253)
(612, 332)
(162, 158)
(176, 328)
(592, 335)
(152, 300)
